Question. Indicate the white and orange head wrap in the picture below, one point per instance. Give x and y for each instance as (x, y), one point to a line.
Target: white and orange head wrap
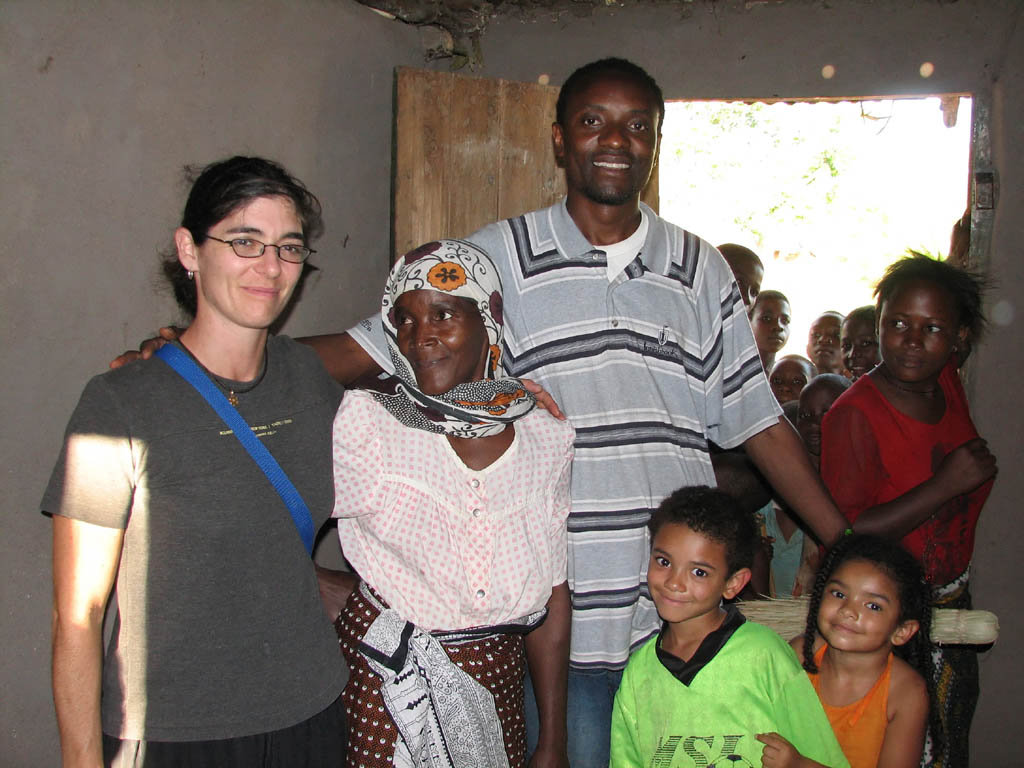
(473, 408)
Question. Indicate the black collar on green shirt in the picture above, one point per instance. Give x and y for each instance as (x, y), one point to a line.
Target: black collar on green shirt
(685, 671)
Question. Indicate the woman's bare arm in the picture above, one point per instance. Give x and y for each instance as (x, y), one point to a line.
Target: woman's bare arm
(85, 560)
(547, 653)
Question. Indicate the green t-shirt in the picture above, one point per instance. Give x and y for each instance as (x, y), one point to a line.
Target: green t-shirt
(752, 685)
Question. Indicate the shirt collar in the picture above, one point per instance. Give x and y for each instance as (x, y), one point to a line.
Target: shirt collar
(685, 671)
(575, 247)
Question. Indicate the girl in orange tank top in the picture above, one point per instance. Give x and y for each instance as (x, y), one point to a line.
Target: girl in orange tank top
(866, 651)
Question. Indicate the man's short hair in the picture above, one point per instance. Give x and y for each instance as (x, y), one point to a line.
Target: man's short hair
(615, 66)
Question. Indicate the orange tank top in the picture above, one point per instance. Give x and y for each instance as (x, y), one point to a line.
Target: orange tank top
(860, 726)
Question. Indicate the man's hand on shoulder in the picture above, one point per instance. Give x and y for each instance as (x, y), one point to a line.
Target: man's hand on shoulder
(544, 398)
(148, 347)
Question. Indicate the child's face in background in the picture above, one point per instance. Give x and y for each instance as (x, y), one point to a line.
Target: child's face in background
(815, 401)
(918, 332)
(688, 575)
(823, 344)
(748, 276)
(788, 378)
(860, 610)
(770, 320)
(859, 344)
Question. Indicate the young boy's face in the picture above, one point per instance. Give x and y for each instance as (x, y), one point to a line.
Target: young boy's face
(749, 275)
(770, 319)
(815, 401)
(823, 344)
(860, 346)
(688, 575)
(788, 378)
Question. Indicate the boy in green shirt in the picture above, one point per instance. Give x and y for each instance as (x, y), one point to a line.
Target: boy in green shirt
(713, 689)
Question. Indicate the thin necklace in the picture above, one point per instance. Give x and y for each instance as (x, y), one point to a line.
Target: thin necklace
(232, 390)
(895, 384)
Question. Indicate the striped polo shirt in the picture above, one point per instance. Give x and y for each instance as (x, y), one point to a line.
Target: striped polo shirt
(648, 367)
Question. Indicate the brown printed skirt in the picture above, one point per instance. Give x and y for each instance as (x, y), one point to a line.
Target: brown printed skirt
(497, 662)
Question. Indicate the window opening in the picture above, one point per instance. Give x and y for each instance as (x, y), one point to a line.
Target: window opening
(828, 193)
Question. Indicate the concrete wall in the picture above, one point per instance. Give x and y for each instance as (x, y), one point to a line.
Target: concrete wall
(104, 101)
(997, 410)
(772, 49)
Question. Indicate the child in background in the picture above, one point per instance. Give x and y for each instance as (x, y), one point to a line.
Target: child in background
(789, 376)
(815, 401)
(870, 599)
(823, 342)
(770, 317)
(787, 538)
(858, 340)
(902, 458)
(746, 267)
(711, 688)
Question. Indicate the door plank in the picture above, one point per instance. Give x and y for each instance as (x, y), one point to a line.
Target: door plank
(469, 151)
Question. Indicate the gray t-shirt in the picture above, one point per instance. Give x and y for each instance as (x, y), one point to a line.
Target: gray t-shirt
(220, 631)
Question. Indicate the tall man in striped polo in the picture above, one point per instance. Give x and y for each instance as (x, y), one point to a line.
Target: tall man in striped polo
(638, 330)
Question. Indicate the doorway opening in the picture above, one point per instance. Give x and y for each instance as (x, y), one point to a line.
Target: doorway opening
(826, 193)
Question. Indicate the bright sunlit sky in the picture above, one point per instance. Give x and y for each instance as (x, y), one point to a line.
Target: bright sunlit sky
(826, 194)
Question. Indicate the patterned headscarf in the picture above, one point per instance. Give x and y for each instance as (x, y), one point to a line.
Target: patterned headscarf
(473, 408)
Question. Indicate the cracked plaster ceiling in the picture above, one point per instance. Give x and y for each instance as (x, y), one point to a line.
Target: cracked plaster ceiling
(453, 28)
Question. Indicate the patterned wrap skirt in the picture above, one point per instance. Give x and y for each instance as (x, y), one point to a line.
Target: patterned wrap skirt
(955, 681)
(496, 661)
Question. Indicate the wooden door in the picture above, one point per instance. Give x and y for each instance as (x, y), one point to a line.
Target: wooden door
(469, 151)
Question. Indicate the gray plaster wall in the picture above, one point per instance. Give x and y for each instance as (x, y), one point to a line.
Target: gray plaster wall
(997, 407)
(778, 50)
(771, 49)
(103, 103)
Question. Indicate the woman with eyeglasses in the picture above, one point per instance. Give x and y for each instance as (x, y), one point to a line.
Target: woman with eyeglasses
(221, 653)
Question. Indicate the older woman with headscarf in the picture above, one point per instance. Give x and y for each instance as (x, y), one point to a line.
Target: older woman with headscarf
(452, 494)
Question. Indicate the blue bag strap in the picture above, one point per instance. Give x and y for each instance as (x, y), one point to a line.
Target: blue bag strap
(193, 374)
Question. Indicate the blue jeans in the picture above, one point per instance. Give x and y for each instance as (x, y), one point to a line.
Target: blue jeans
(589, 716)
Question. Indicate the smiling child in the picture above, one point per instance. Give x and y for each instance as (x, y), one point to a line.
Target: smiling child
(711, 687)
(859, 341)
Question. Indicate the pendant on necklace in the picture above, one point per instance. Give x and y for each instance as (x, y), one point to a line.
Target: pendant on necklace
(232, 398)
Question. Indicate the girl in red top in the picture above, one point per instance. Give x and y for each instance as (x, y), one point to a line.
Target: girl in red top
(902, 458)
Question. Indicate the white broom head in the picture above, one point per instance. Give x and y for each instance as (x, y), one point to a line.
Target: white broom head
(950, 626)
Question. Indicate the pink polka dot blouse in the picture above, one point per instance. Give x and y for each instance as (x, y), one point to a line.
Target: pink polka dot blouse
(446, 546)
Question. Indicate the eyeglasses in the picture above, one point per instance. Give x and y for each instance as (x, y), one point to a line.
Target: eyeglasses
(248, 248)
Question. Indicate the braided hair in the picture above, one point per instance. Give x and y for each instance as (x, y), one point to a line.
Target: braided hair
(915, 596)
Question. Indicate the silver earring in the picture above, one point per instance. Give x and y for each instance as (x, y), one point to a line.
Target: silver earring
(190, 274)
